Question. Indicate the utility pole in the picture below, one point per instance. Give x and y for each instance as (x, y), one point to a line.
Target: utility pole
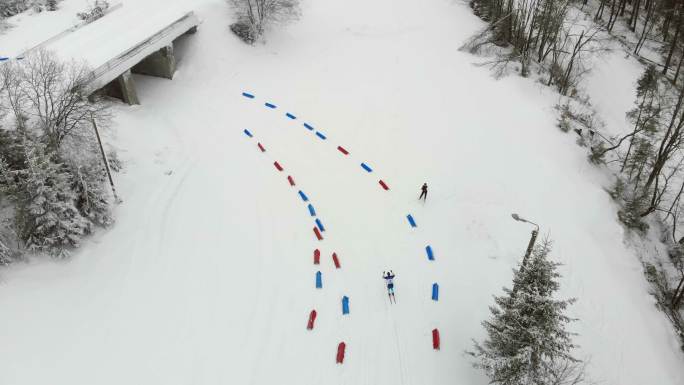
(104, 158)
(530, 245)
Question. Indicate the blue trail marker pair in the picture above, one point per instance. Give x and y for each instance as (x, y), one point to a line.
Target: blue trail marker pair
(435, 292)
(247, 133)
(345, 305)
(319, 224)
(366, 167)
(248, 95)
(311, 210)
(304, 197)
(319, 280)
(411, 221)
(430, 253)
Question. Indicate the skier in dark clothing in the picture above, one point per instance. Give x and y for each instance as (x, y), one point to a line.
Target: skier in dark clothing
(423, 194)
(389, 278)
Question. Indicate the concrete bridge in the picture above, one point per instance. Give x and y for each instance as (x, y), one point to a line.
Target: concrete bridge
(122, 43)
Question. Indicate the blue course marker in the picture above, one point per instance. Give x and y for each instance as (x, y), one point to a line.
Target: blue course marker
(412, 222)
(308, 126)
(366, 167)
(311, 210)
(435, 292)
(345, 305)
(270, 105)
(4, 58)
(246, 131)
(319, 224)
(430, 254)
(318, 134)
(304, 197)
(289, 115)
(319, 280)
(248, 95)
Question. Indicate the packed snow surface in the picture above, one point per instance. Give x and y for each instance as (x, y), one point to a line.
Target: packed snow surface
(208, 276)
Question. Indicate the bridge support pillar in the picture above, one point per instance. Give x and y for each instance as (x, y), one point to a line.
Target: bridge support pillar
(122, 88)
(161, 64)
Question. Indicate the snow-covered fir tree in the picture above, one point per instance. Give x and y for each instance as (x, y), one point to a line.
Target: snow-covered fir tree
(47, 217)
(93, 193)
(527, 342)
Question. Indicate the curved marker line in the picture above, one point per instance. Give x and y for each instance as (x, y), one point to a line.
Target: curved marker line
(435, 332)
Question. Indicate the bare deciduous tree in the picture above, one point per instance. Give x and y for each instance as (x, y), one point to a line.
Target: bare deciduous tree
(48, 92)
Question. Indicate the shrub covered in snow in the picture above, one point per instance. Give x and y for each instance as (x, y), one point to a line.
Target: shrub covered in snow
(94, 12)
(255, 16)
(12, 7)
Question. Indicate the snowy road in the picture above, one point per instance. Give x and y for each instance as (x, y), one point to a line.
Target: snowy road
(207, 277)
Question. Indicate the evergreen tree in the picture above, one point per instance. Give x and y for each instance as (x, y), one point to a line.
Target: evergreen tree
(6, 254)
(47, 217)
(526, 340)
(51, 5)
(90, 185)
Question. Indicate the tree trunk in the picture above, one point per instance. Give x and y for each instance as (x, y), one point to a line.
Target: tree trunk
(613, 15)
(635, 15)
(668, 143)
(679, 67)
(678, 294)
(675, 39)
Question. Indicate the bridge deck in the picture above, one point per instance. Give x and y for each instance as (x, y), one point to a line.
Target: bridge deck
(111, 50)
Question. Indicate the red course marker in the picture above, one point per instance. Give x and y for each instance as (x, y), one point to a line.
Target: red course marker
(278, 166)
(318, 234)
(312, 319)
(342, 150)
(435, 339)
(336, 261)
(384, 185)
(289, 179)
(340, 352)
(317, 257)
(261, 147)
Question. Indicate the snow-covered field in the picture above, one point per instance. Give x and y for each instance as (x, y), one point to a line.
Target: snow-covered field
(207, 277)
